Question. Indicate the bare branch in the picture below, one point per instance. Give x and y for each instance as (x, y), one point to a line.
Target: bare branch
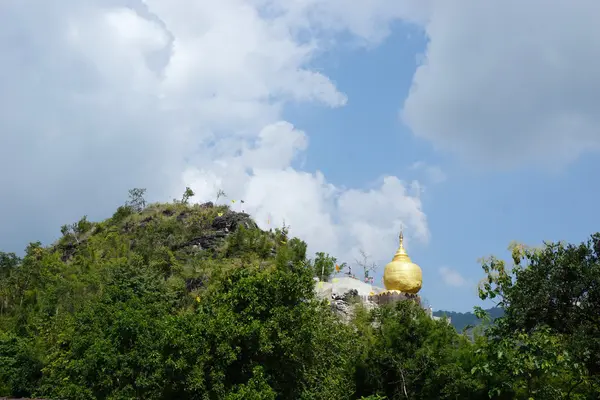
(365, 263)
(220, 193)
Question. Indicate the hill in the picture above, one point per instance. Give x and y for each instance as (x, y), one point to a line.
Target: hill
(85, 316)
(180, 301)
(460, 321)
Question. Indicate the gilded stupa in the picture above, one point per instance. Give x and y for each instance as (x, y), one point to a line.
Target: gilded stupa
(401, 275)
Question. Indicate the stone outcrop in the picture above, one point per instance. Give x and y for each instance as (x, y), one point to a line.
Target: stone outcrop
(343, 294)
(230, 221)
(342, 308)
(221, 227)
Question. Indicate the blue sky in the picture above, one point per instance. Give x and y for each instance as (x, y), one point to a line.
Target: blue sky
(343, 122)
(471, 214)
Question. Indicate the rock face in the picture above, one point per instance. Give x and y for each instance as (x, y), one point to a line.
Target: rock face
(207, 241)
(232, 220)
(343, 294)
(221, 227)
(342, 309)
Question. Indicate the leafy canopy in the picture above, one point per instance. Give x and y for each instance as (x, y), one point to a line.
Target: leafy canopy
(192, 301)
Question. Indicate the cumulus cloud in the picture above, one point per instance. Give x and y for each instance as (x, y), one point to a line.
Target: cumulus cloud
(509, 83)
(98, 97)
(452, 277)
(333, 219)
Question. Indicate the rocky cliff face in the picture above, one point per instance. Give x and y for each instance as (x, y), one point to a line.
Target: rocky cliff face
(343, 299)
(221, 226)
(344, 294)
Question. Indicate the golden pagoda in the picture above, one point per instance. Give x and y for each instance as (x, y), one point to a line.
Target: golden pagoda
(401, 274)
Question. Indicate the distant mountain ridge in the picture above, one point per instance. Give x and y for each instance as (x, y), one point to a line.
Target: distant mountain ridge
(461, 320)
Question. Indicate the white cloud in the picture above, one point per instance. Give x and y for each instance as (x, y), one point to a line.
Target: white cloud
(431, 173)
(509, 83)
(98, 97)
(337, 220)
(452, 277)
(367, 20)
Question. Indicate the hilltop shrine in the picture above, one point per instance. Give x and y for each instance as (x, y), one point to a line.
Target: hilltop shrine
(402, 280)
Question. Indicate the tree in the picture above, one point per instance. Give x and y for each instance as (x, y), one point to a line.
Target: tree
(367, 265)
(189, 193)
(77, 229)
(8, 261)
(256, 334)
(109, 347)
(530, 365)
(410, 356)
(220, 193)
(308, 354)
(21, 369)
(65, 230)
(298, 248)
(323, 266)
(136, 201)
(8, 265)
(169, 304)
(552, 290)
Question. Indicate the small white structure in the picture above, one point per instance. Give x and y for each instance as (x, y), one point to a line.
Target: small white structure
(444, 318)
(340, 286)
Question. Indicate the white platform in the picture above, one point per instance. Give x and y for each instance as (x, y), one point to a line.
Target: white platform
(341, 285)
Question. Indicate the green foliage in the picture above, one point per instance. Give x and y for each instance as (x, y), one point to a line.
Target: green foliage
(323, 266)
(257, 388)
(551, 327)
(298, 248)
(187, 195)
(21, 367)
(530, 365)
(169, 301)
(121, 213)
(8, 263)
(413, 356)
(136, 201)
(76, 231)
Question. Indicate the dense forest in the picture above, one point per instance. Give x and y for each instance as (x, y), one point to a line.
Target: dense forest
(193, 301)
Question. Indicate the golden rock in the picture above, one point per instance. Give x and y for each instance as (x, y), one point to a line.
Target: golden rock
(402, 275)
